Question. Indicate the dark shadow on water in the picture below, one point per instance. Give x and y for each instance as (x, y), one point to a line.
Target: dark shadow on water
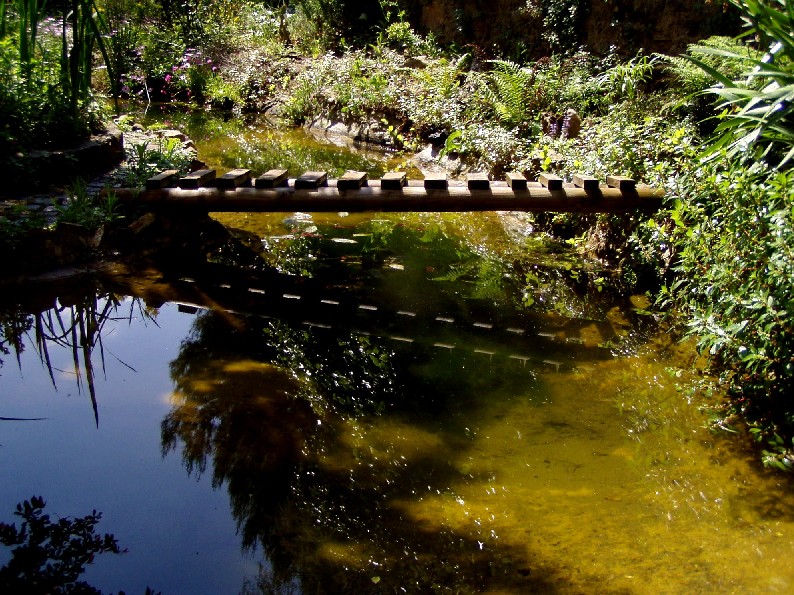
(267, 431)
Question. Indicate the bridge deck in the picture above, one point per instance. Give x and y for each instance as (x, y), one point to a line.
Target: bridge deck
(313, 192)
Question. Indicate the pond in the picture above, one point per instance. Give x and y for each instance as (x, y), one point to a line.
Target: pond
(379, 404)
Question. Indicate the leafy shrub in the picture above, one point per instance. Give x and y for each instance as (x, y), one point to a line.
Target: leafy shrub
(688, 78)
(757, 113)
(87, 210)
(735, 232)
(520, 95)
(625, 79)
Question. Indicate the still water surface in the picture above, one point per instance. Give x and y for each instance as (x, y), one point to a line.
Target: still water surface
(381, 407)
(384, 404)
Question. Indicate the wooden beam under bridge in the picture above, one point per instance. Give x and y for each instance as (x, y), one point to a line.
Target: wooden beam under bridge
(237, 191)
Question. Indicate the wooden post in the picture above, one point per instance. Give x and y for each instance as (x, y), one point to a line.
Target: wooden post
(272, 178)
(516, 180)
(311, 180)
(235, 179)
(436, 181)
(478, 181)
(394, 180)
(624, 184)
(550, 181)
(352, 180)
(162, 180)
(197, 179)
(587, 183)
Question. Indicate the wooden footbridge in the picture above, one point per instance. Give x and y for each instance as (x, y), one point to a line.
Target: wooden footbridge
(273, 191)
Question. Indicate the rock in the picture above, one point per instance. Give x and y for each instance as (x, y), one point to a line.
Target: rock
(417, 62)
(177, 134)
(571, 125)
(144, 221)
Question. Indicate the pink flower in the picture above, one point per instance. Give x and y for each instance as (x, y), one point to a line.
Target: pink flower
(167, 78)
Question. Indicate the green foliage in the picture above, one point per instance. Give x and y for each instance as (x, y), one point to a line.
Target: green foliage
(689, 79)
(89, 211)
(624, 80)
(735, 233)
(47, 65)
(49, 557)
(146, 160)
(560, 20)
(758, 112)
(514, 93)
(396, 33)
(307, 100)
(520, 95)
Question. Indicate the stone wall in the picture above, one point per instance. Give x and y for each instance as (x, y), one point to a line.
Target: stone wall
(517, 27)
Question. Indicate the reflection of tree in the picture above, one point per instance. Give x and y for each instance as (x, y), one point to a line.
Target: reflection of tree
(241, 413)
(353, 375)
(49, 557)
(264, 404)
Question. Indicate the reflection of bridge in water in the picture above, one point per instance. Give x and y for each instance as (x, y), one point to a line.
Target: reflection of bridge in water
(549, 342)
(273, 191)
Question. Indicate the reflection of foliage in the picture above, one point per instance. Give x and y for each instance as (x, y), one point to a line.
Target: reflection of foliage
(323, 435)
(487, 277)
(77, 328)
(354, 376)
(296, 485)
(49, 557)
(14, 323)
(240, 412)
(255, 144)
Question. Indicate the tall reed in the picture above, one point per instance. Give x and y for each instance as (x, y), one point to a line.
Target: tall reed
(83, 30)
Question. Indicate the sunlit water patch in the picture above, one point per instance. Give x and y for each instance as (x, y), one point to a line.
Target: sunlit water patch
(228, 142)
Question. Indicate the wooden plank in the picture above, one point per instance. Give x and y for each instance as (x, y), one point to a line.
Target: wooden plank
(235, 179)
(197, 179)
(403, 199)
(435, 181)
(311, 180)
(516, 180)
(621, 182)
(393, 180)
(352, 180)
(550, 181)
(162, 180)
(589, 184)
(478, 181)
(273, 178)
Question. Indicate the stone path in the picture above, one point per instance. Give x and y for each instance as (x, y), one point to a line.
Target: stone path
(47, 203)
